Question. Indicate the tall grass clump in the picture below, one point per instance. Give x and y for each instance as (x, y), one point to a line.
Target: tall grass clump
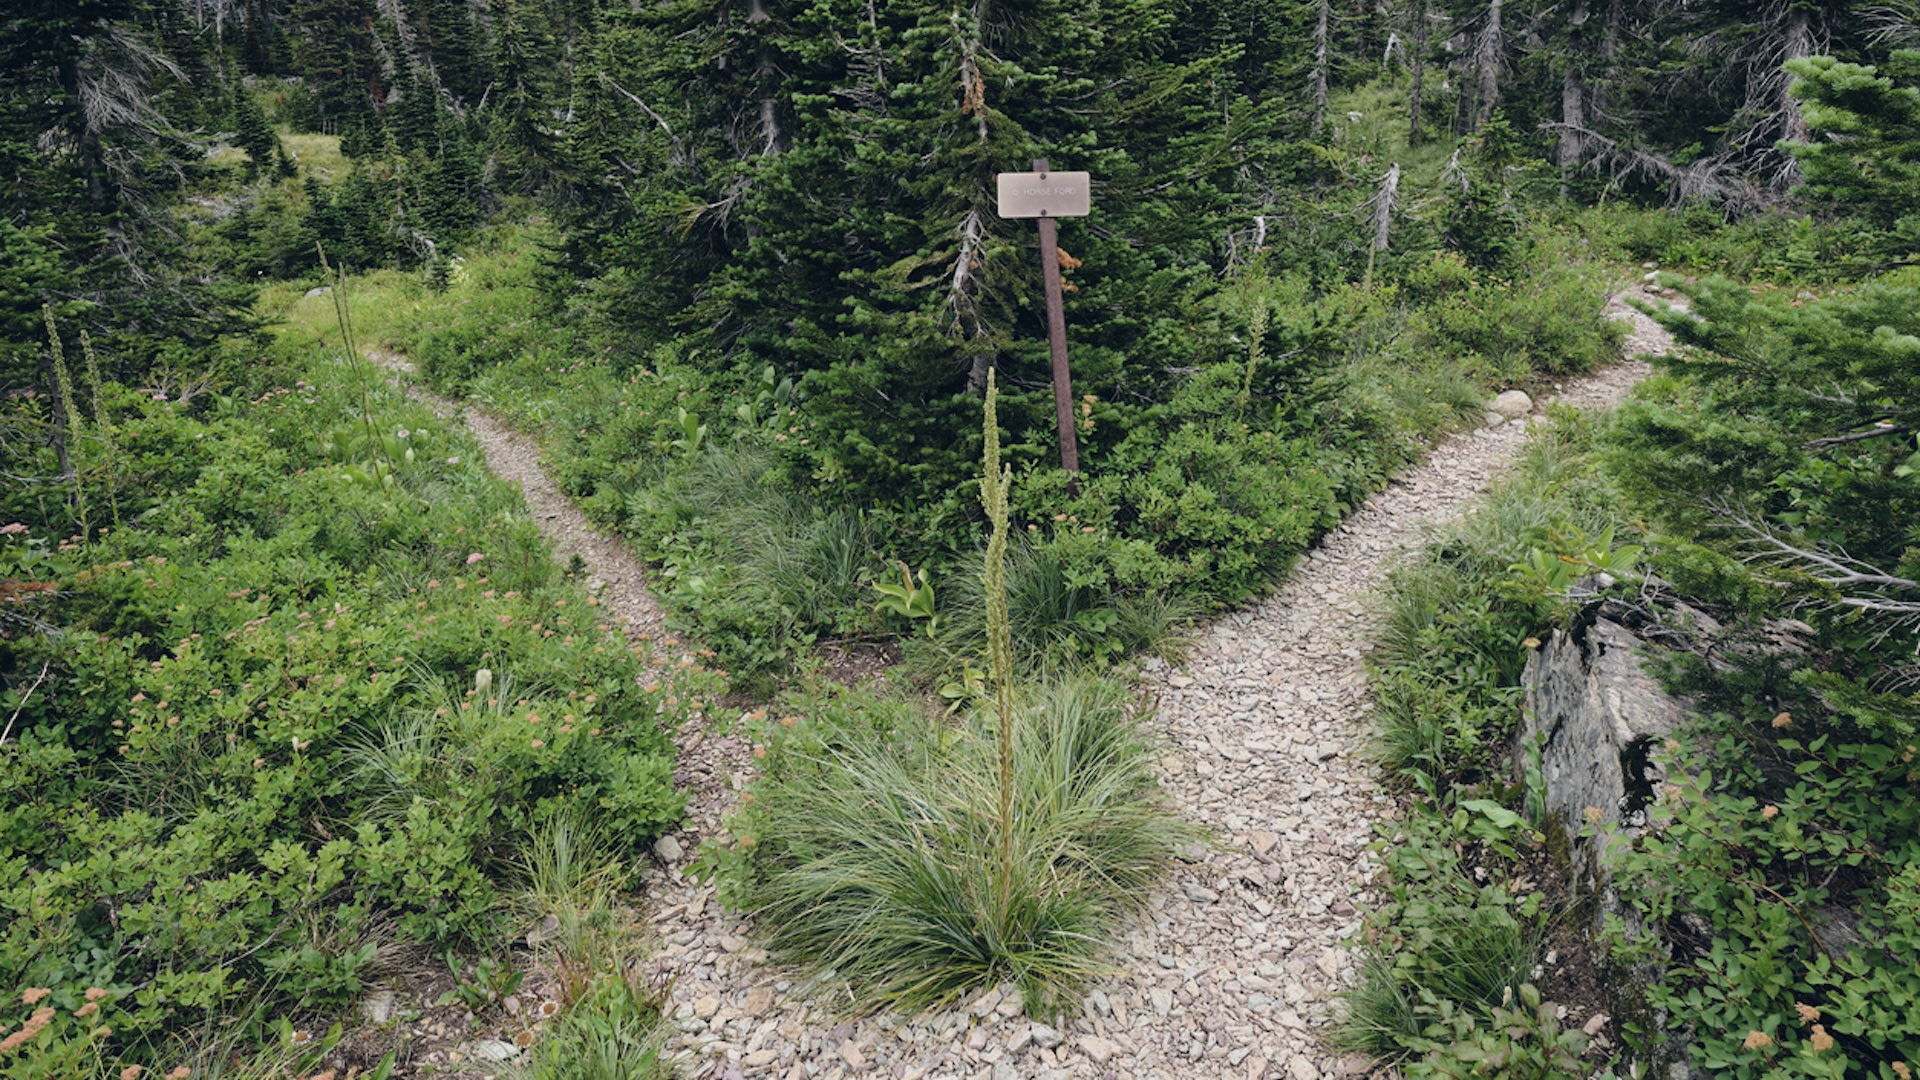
(922, 863)
(883, 859)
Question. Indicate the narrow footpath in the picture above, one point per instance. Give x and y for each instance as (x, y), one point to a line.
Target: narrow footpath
(1234, 969)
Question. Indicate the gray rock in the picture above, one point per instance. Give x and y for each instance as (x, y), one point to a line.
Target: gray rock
(322, 290)
(1600, 721)
(668, 849)
(377, 1007)
(495, 1050)
(1512, 404)
(1099, 1049)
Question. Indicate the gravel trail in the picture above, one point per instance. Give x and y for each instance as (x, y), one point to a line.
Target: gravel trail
(1233, 970)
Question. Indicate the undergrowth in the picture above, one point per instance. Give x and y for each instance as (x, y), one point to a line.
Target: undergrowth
(1452, 953)
(1194, 498)
(918, 861)
(294, 714)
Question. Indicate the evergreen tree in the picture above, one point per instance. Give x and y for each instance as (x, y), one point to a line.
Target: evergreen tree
(93, 114)
(825, 197)
(254, 134)
(1866, 158)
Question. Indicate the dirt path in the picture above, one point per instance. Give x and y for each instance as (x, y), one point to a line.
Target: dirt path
(613, 572)
(1233, 972)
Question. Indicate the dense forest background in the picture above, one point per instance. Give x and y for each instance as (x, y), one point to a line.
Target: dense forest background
(810, 185)
(797, 200)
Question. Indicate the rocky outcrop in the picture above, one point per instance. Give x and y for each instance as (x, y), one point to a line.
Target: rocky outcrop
(1600, 722)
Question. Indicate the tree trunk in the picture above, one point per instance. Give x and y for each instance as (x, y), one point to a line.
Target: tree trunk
(1317, 85)
(1573, 121)
(767, 74)
(1487, 57)
(1798, 44)
(1419, 70)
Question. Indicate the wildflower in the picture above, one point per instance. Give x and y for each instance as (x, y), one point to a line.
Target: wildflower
(474, 557)
(1593, 814)
(180, 1073)
(34, 995)
(1820, 1039)
(12, 529)
(33, 1027)
(94, 993)
(102, 1031)
(302, 1037)
(131, 1072)
(1757, 1040)
(86, 1010)
(537, 743)
(1808, 1014)
(1769, 812)
(1900, 1070)
(549, 1007)
(1783, 720)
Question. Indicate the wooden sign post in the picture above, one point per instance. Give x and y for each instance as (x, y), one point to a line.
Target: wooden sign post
(1048, 195)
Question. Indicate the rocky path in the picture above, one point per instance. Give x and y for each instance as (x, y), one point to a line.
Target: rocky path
(1233, 972)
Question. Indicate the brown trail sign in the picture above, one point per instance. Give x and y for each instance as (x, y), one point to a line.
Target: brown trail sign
(1047, 195)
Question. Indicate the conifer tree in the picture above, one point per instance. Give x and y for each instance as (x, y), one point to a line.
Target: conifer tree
(254, 134)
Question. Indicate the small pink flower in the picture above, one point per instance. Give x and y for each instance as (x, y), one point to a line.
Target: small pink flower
(15, 529)
(474, 558)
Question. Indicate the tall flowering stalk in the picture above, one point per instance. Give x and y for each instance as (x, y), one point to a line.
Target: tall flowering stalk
(69, 418)
(994, 483)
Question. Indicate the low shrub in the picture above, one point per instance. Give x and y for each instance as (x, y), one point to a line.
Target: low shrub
(870, 849)
(1449, 958)
(280, 728)
(1446, 670)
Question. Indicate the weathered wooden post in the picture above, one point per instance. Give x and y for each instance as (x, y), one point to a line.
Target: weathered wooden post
(1049, 195)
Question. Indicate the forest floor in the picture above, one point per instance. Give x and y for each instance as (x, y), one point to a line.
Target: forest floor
(1235, 968)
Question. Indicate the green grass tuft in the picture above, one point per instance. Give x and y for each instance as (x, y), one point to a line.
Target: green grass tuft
(878, 862)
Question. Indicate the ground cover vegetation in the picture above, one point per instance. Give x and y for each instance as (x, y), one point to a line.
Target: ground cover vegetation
(1767, 477)
(308, 704)
(737, 265)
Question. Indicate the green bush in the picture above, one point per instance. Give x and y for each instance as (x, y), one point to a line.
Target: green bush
(1446, 670)
(1783, 873)
(295, 711)
(870, 848)
(1441, 938)
(1447, 963)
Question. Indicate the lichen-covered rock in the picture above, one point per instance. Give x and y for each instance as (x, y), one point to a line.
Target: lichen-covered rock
(1600, 722)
